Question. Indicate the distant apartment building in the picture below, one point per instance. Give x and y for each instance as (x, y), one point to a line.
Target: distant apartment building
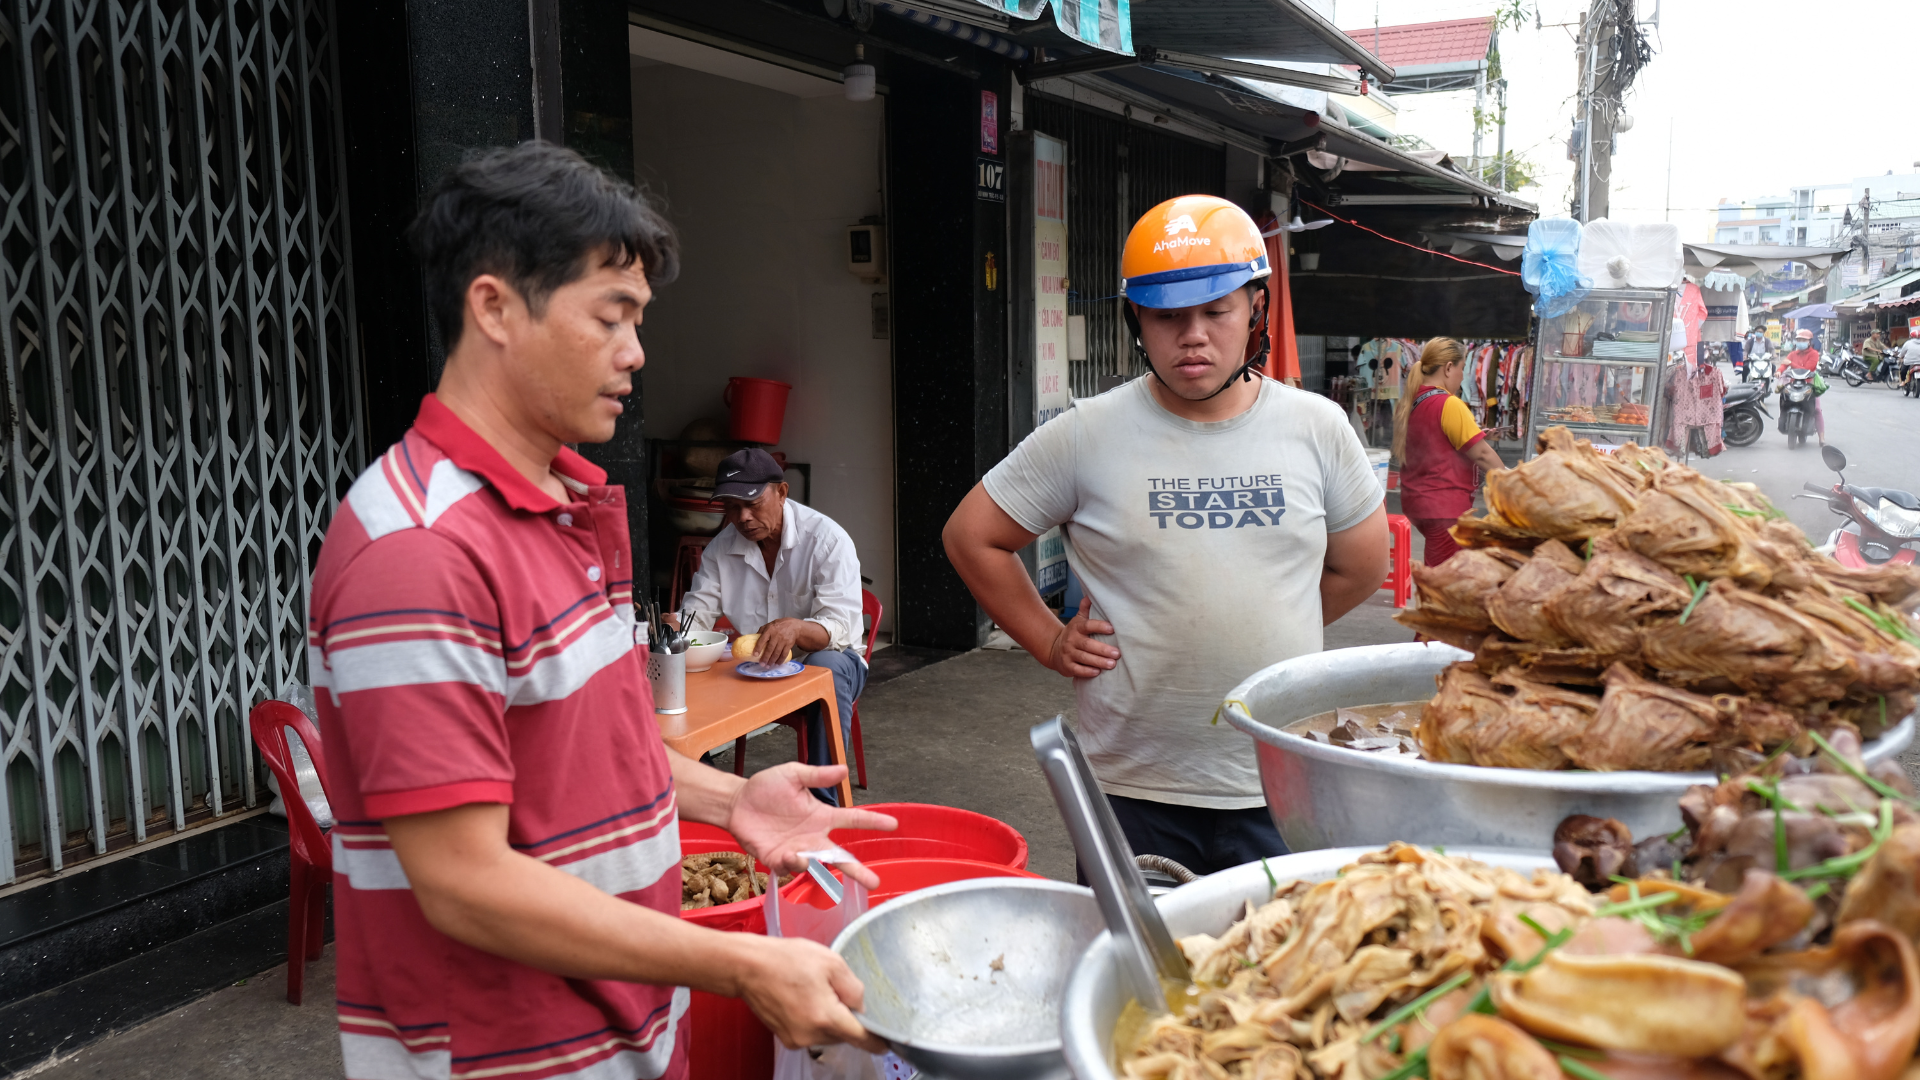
(1884, 237)
(1815, 214)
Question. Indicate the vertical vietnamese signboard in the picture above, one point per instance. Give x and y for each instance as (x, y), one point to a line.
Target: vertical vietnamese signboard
(1050, 322)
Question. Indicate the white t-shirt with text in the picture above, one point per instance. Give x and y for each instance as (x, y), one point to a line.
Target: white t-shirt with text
(1203, 544)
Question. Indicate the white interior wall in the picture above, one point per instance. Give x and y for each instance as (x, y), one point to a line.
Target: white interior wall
(761, 184)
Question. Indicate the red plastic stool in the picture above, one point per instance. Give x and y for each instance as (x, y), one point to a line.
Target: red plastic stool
(1400, 570)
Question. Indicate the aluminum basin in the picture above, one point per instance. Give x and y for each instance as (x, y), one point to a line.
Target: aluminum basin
(1328, 796)
(1095, 992)
(964, 980)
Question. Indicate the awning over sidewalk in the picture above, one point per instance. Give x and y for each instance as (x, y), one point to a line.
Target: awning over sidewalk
(1757, 258)
(1219, 29)
(1251, 30)
(1880, 292)
(1507, 247)
(1260, 107)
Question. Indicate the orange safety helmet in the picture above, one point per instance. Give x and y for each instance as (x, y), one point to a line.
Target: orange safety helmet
(1189, 250)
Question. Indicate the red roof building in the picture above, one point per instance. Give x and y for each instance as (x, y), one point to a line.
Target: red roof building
(1432, 56)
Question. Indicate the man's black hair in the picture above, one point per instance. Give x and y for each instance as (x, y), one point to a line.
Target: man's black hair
(534, 214)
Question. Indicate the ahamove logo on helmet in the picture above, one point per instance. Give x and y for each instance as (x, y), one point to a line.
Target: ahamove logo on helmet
(1182, 223)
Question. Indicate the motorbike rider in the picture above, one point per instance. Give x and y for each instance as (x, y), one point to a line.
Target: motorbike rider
(1875, 350)
(1910, 358)
(1807, 358)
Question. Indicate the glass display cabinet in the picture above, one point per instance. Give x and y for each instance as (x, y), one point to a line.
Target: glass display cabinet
(1598, 369)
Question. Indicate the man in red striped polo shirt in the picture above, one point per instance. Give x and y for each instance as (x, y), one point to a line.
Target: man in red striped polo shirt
(506, 887)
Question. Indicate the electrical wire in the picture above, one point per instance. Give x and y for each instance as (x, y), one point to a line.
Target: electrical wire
(1403, 243)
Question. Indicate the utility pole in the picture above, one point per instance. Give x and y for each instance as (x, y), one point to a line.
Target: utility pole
(1668, 216)
(1479, 120)
(1502, 144)
(1598, 94)
(1866, 234)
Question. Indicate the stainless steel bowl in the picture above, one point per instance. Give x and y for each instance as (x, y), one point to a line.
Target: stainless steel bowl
(964, 980)
(1326, 796)
(1095, 993)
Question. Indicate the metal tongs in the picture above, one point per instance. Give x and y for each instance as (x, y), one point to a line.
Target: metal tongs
(1148, 954)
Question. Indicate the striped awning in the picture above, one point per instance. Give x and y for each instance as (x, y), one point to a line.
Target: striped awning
(1101, 24)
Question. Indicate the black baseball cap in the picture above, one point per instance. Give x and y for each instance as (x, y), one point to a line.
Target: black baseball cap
(746, 473)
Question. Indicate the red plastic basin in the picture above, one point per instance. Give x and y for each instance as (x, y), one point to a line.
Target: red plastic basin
(725, 1040)
(936, 832)
(899, 877)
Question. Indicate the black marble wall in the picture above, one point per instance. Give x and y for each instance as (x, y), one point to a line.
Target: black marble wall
(426, 82)
(950, 340)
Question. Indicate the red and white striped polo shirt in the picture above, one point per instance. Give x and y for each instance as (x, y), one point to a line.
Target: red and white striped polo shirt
(472, 640)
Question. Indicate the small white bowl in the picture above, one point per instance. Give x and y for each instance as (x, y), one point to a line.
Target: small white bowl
(704, 649)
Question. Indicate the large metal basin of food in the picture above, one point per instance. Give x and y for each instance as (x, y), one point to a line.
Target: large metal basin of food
(1329, 796)
(1096, 994)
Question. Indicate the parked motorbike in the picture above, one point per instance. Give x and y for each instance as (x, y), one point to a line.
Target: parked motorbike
(1854, 369)
(1742, 409)
(1883, 524)
(1832, 359)
(1796, 406)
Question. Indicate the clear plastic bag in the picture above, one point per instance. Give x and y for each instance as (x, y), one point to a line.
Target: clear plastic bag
(1549, 266)
(839, 1062)
(1619, 255)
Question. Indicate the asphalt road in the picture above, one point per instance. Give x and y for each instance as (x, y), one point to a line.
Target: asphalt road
(1878, 428)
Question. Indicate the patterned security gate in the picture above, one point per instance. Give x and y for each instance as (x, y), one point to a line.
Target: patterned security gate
(182, 401)
(1116, 171)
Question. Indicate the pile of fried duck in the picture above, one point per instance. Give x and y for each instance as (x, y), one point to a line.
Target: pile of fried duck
(1782, 949)
(1626, 612)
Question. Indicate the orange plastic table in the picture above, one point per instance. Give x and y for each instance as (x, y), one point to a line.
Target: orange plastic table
(723, 705)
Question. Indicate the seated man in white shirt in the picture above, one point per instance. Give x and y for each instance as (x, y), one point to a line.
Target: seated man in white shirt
(789, 573)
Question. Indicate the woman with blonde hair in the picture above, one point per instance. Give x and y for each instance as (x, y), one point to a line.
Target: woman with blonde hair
(1439, 446)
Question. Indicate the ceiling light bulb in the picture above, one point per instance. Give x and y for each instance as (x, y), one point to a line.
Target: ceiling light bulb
(857, 80)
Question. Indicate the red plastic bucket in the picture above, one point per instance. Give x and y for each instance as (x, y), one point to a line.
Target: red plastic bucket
(725, 1040)
(899, 877)
(936, 832)
(757, 408)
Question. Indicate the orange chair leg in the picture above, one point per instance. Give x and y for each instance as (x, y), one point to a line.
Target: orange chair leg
(297, 894)
(859, 750)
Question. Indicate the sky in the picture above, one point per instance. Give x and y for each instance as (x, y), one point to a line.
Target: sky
(1759, 96)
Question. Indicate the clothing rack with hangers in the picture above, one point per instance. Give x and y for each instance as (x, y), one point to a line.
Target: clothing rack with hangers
(1497, 384)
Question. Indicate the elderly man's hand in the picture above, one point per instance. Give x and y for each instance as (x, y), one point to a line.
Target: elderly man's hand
(775, 816)
(782, 636)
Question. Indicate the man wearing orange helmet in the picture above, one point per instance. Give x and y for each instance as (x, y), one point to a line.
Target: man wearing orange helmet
(1218, 520)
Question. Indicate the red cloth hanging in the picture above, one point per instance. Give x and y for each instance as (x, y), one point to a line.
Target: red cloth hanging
(1283, 358)
(1692, 311)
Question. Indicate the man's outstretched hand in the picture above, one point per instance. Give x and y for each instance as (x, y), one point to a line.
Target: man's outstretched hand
(775, 816)
(1074, 652)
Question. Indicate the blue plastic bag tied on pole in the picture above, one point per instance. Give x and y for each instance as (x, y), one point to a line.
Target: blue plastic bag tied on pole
(1549, 266)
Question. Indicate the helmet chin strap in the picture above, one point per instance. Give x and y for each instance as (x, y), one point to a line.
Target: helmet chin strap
(1258, 345)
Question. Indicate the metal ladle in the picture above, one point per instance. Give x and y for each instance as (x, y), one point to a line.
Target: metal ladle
(1147, 951)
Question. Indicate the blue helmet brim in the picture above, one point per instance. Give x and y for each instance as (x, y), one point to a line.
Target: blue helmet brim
(1180, 294)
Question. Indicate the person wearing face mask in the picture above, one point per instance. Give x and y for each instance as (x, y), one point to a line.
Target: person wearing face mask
(1807, 358)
